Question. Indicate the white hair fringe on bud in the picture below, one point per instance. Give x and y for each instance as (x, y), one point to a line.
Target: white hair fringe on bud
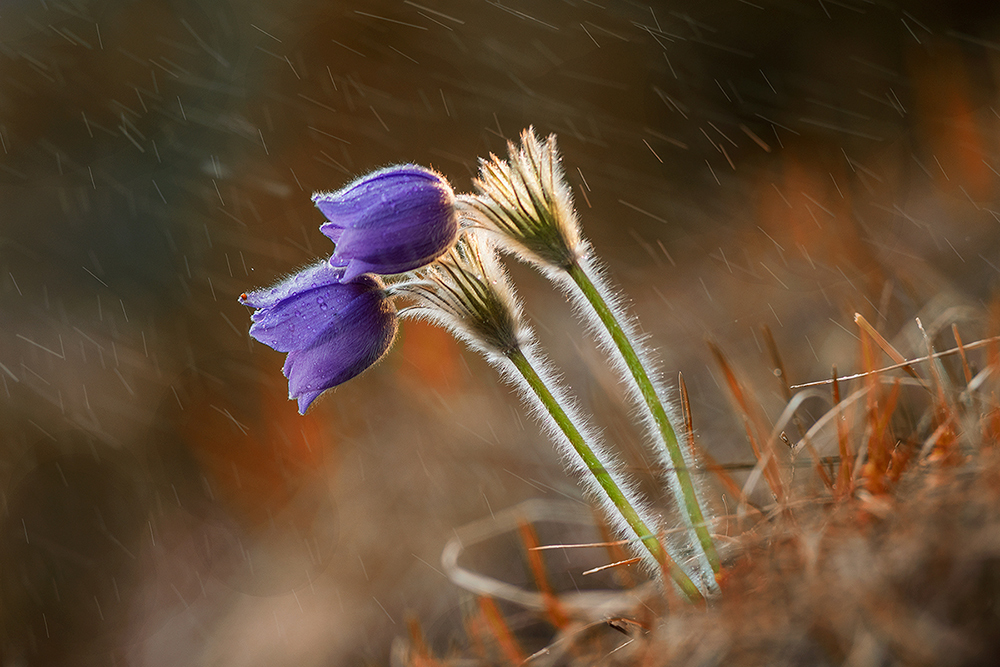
(488, 321)
(527, 201)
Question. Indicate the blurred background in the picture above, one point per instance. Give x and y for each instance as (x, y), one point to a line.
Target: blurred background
(736, 164)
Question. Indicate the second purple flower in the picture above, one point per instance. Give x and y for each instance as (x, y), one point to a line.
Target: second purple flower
(391, 221)
(332, 331)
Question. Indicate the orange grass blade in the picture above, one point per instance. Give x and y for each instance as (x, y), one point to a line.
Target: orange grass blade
(553, 608)
(420, 653)
(786, 390)
(731, 487)
(871, 398)
(498, 627)
(824, 476)
(901, 457)
(887, 347)
(771, 472)
(686, 414)
(475, 630)
(777, 362)
(961, 353)
(991, 425)
(881, 442)
(993, 343)
(944, 450)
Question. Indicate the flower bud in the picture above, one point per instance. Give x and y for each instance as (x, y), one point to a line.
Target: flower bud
(468, 292)
(527, 201)
(332, 331)
(391, 221)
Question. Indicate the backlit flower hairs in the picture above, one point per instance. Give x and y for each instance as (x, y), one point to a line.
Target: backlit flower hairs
(401, 233)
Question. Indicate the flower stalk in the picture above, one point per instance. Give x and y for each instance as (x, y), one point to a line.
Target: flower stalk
(653, 404)
(468, 292)
(526, 201)
(602, 476)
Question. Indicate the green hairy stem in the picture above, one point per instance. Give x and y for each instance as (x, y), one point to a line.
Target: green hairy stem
(602, 476)
(655, 407)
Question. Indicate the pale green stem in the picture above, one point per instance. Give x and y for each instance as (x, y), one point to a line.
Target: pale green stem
(602, 476)
(655, 407)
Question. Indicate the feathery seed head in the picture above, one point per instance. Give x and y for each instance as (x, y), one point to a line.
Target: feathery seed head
(527, 200)
(468, 292)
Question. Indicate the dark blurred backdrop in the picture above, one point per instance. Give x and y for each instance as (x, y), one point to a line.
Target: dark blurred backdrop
(736, 164)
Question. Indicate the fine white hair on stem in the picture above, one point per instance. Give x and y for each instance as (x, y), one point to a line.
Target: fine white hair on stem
(573, 461)
(629, 325)
(468, 292)
(527, 203)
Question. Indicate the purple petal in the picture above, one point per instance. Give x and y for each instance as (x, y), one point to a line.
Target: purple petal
(352, 204)
(300, 312)
(316, 275)
(392, 221)
(415, 234)
(357, 268)
(306, 399)
(342, 352)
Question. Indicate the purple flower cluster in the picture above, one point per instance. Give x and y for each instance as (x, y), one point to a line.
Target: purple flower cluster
(334, 318)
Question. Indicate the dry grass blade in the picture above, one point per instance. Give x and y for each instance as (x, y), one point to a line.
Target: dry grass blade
(786, 391)
(946, 412)
(881, 443)
(991, 420)
(504, 638)
(616, 550)
(686, 414)
(871, 470)
(731, 487)
(553, 608)
(966, 370)
(885, 345)
(777, 362)
(420, 653)
(602, 568)
(991, 344)
(771, 473)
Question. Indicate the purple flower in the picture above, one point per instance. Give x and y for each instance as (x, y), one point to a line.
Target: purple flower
(332, 331)
(391, 221)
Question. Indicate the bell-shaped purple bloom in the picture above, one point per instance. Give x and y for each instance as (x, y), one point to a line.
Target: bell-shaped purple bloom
(391, 221)
(332, 331)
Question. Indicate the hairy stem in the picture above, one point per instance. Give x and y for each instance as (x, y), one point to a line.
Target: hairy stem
(655, 407)
(602, 476)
